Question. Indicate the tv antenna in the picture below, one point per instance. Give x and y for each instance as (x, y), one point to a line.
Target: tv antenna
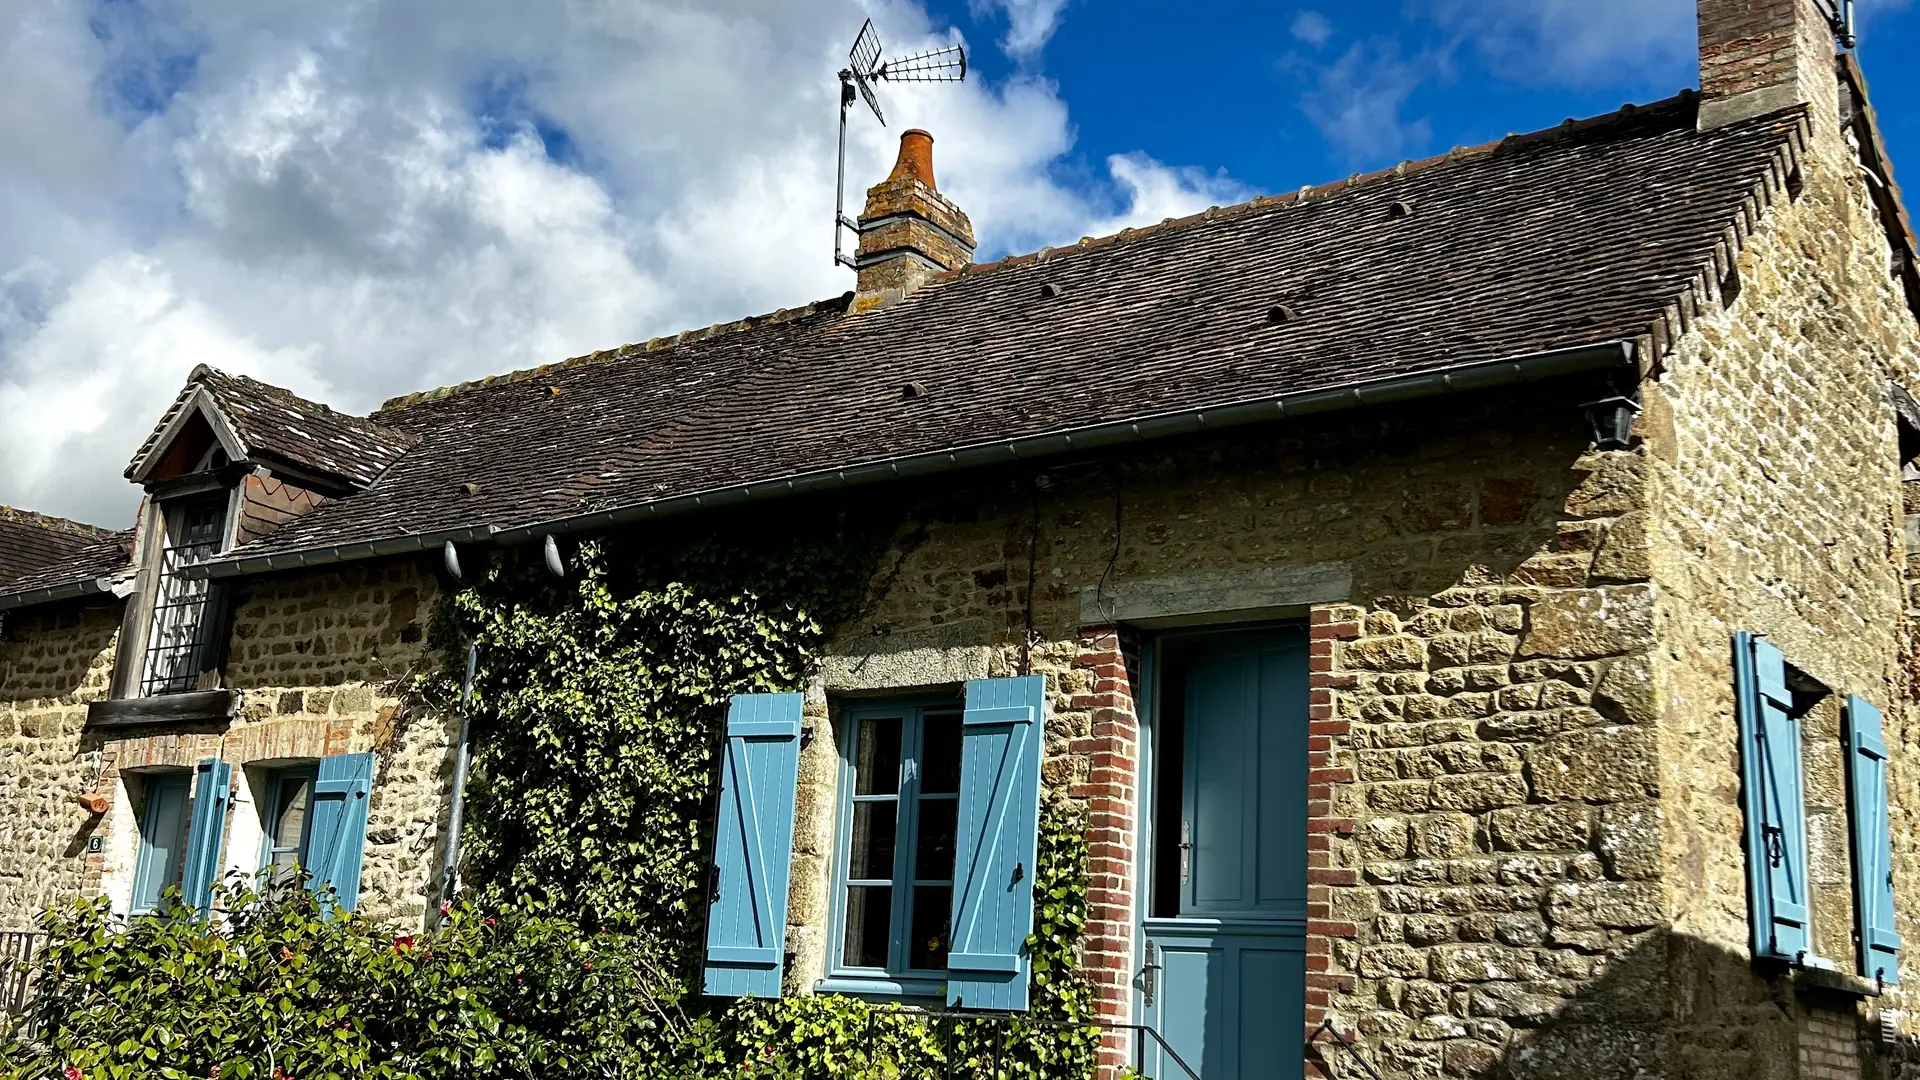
(861, 77)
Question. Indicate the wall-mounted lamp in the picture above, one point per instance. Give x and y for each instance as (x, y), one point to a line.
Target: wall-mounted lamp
(451, 556)
(1612, 421)
(554, 564)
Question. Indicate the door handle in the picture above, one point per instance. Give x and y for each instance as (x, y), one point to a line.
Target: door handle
(1186, 851)
(1149, 974)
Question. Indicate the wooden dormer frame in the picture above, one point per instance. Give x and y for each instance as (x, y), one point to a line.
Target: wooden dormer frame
(198, 402)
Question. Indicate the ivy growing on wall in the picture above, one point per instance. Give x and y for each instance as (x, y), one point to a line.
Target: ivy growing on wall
(576, 945)
(599, 698)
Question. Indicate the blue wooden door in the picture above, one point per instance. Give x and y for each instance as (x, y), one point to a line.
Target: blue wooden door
(1228, 963)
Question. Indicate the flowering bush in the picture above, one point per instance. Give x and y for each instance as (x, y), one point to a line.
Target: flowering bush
(287, 989)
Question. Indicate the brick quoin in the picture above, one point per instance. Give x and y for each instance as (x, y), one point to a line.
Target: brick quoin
(1110, 795)
(1326, 625)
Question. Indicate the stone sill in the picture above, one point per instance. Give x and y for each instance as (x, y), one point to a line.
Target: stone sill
(1835, 981)
(198, 706)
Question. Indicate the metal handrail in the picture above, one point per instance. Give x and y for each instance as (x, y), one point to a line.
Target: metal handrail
(1326, 1028)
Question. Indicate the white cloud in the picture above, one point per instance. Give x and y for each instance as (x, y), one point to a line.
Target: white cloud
(1357, 101)
(1312, 28)
(356, 201)
(1030, 23)
(1578, 42)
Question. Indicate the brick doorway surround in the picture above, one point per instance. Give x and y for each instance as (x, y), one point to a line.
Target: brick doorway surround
(1112, 791)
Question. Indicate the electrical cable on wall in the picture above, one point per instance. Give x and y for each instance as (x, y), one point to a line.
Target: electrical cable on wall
(1033, 571)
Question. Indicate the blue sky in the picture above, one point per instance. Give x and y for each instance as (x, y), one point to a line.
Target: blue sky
(360, 200)
(1278, 95)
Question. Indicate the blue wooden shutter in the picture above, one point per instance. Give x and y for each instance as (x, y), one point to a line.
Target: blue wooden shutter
(1775, 811)
(753, 846)
(212, 780)
(1872, 843)
(337, 826)
(1005, 726)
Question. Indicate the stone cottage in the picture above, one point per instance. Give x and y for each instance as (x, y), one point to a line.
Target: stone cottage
(1471, 602)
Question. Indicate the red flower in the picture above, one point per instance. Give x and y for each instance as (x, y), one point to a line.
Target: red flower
(74, 1073)
(587, 964)
(403, 943)
(446, 908)
(491, 920)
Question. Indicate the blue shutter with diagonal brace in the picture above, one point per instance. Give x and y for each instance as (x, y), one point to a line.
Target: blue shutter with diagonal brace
(212, 780)
(1775, 810)
(753, 846)
(1872, 843)
(1004, 727)
(337, 827)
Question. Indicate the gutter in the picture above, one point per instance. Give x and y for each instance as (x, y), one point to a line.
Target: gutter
(1618, 354)
(1612, 355)
(52, 593)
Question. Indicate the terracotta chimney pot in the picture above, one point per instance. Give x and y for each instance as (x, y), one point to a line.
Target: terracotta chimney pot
(909, 232)
(916, 158)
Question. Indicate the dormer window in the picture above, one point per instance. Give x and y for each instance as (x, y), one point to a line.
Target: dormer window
(183, 632)
(231, 461)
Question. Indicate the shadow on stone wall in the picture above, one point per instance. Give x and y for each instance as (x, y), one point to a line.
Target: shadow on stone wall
(49, 653)
(1664, 1005)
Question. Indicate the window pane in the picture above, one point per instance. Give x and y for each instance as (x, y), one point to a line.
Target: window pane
(869, 923)
(290, 816)
(940, 754)
(932, 915)
(177, 643)
(877, 768)
(163, 839)
(933, 848)
(870, 854)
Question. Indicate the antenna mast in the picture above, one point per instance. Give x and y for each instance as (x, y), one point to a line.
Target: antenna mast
(1840, 17)
(860, 78)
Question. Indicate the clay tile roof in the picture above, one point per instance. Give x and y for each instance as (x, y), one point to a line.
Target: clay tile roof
(1588, 232)
(278, 424)
(37, 550)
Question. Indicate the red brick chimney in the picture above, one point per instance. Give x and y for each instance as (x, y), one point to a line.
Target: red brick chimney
(1760, 55)
(909, 231)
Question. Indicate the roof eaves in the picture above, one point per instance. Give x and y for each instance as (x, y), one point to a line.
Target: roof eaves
(306, 558)
(53, 593)
(1529, 368)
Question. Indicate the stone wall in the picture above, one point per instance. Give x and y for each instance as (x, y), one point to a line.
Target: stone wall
(1483, 836)
(1774, 466)
(53, 660)
(320, 660)
(334, 650)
